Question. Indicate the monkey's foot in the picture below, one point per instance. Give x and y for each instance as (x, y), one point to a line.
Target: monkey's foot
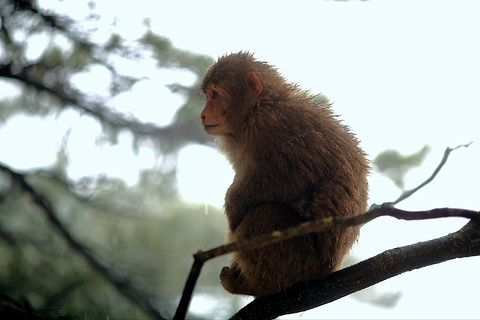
(233, 281)
(230, 273)
(224, 273)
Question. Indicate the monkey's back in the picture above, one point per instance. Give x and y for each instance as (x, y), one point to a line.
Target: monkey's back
(295, 151)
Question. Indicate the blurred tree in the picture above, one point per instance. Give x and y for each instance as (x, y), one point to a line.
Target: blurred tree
(142, 232)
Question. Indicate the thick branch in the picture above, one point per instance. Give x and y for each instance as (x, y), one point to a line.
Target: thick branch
(463, 243)
(122, 285)
(306, 228)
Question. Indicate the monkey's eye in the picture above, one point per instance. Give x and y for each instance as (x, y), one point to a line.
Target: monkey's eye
(212, 94)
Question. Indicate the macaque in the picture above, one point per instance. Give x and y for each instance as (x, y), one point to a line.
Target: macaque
(294, 162)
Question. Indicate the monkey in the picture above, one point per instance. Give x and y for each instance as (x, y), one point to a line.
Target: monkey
(294, 162)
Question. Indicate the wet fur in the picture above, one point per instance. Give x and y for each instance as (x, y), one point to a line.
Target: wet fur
(294, 162)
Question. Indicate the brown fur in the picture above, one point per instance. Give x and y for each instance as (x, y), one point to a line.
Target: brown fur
(294, 162)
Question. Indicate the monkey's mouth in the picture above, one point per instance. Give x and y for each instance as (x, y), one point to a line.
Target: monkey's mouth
(210, 126)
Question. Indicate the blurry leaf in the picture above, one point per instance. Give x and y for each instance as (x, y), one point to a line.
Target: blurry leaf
(170, 57)
(395, 165)
(322, 99)
(372, 296)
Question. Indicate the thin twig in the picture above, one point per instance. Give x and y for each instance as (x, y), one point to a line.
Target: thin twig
(410, 192)
(122, 285)
(334, 223)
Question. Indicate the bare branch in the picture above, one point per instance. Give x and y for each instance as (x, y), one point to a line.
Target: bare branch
(306, 228)
(335, 223)
(305, 296)
(447, 152)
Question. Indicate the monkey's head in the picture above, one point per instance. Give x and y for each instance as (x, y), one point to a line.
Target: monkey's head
(233, 86)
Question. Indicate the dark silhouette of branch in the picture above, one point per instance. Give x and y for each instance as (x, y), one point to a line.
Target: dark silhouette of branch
(305, 296)
(305, 228)
(122, 285)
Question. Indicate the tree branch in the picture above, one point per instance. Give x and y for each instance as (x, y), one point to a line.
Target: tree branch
(179, 133)
(122, 285)
(305, 296)
(69, 95)
(375, 211)
(305, 228)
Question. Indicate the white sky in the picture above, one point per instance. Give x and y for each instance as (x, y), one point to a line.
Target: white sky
(401, 74)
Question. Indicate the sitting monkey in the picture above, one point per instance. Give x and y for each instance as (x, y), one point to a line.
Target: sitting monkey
(294, 162)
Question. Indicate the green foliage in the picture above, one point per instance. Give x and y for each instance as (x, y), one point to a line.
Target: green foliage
(144, 232)
(151, 247)
(170, 57)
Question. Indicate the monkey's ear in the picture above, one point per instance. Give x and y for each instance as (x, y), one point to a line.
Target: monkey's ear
(253, 83)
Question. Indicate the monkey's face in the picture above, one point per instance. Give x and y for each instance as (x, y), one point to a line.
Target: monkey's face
(221, 104)
(213, 115)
